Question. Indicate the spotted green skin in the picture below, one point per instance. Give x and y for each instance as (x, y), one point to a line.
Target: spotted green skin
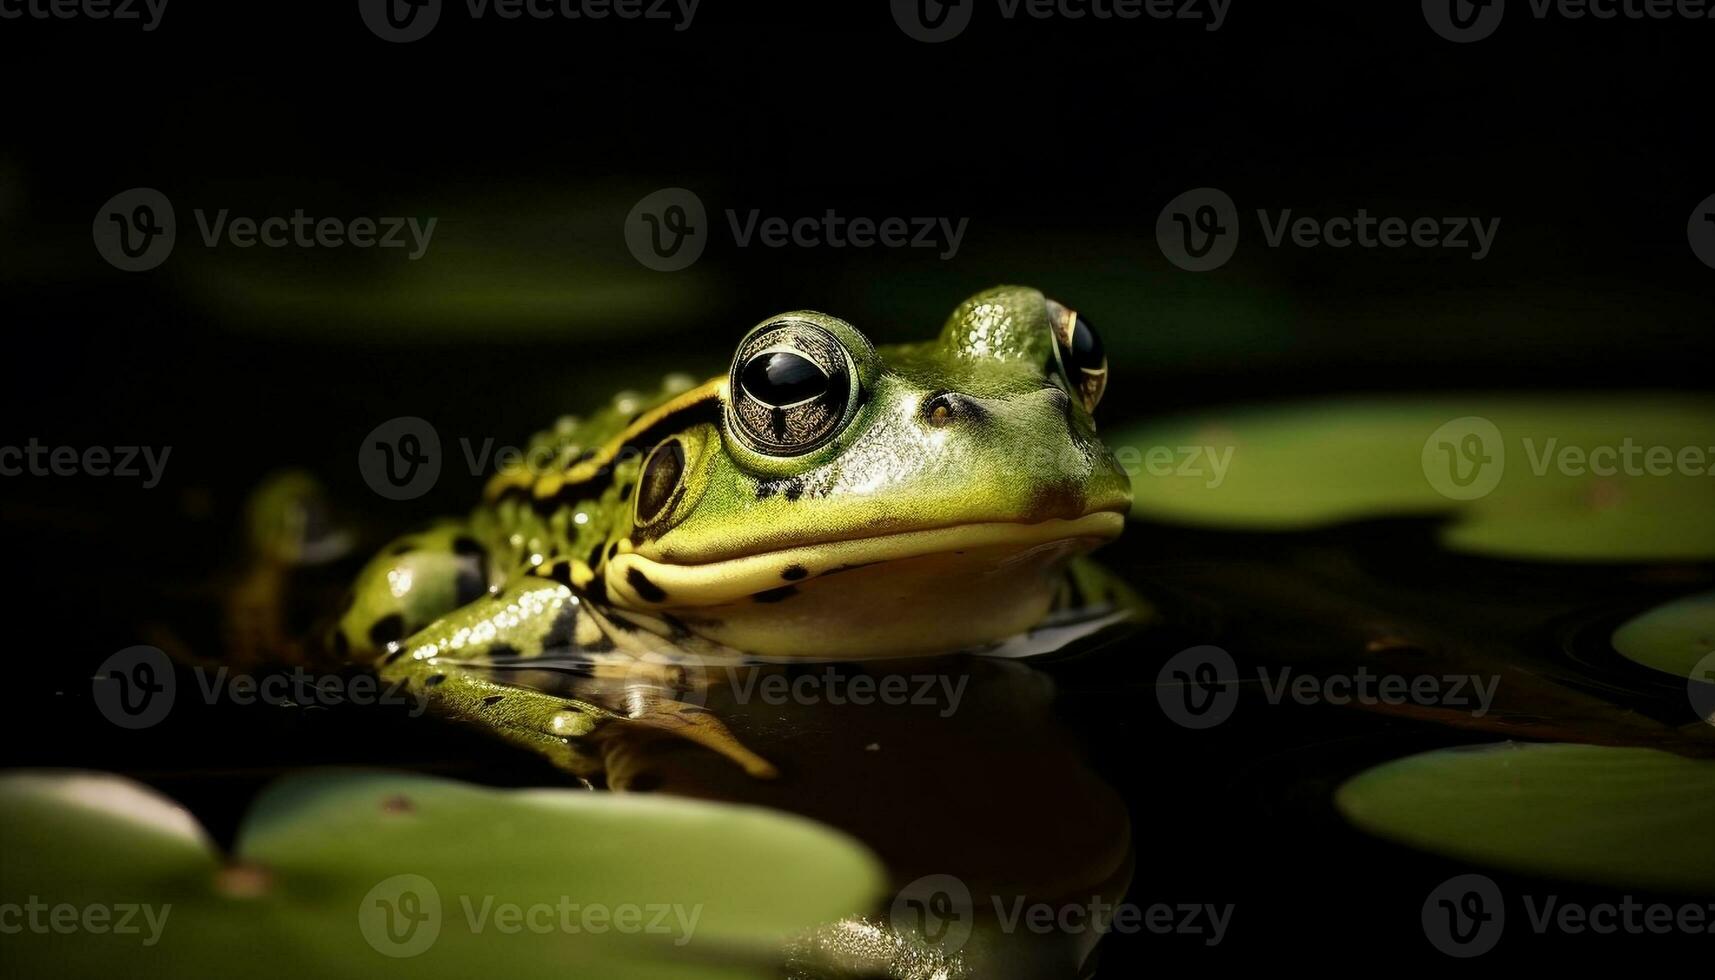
(453, 608)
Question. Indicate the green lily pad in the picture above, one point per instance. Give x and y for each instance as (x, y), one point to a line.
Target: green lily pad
(1617, 816)
(1673, 637)
(1586, 478)
(390, 874)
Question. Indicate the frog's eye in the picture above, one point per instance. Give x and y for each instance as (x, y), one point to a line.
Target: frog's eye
(791, 387)
(1079, 350)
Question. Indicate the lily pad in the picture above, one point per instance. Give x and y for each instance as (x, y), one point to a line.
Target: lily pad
(1586, 478)
(1625, 817)
(1673, 637)
(371, 873)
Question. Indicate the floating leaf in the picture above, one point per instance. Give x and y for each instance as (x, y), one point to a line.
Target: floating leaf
(1625, 817)
(1591, 478)
(1673, 637)
(391, 874)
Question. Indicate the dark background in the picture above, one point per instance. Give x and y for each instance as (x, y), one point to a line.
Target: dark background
(1059, 141)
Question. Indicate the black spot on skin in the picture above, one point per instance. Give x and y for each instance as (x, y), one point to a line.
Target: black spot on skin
(562, 572)
(594, 561)
(470, 584)
(647, 590)
(766, 489)
(776, 595)
(564, 629)
(492, 700)
(644, 782)
(434, 679)
(463, 545)
(794, 489)
(677, 627)
(597, 589)
(341, 645)
(503, 651)
(793, 573)
(386, 630)
(612, 549)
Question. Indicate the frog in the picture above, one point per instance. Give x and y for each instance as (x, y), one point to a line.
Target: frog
(824, 498)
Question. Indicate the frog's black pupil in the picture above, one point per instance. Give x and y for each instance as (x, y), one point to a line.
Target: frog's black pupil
(1086, 346)
(783, 378)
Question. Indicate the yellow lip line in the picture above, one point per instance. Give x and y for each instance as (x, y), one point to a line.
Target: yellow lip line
(723, 581)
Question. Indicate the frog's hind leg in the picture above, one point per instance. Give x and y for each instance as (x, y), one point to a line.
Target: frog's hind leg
(461, 666)
(415, 580)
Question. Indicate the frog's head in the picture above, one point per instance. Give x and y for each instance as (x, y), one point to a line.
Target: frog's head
(894, 499)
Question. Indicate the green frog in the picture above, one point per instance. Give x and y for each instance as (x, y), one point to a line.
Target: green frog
(824, 498)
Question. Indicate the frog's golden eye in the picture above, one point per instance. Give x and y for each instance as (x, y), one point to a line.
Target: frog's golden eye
(1078, 348)
(790, 388)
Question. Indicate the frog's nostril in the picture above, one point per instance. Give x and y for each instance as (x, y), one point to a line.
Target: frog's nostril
(948, 407)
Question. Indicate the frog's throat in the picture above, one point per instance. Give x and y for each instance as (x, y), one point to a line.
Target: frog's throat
(639, 582)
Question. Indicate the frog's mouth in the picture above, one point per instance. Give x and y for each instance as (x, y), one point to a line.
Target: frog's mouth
(640, 582)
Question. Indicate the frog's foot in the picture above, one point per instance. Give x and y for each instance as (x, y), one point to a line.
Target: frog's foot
(540, 628)
(699, 725)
